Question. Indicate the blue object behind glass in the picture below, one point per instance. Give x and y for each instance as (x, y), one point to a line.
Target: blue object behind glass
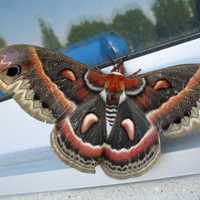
(2, 94)
(98, 50)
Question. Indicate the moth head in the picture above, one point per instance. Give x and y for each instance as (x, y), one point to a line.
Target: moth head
(115, 82)
(114, 87)
(110, 86)
(14, 63)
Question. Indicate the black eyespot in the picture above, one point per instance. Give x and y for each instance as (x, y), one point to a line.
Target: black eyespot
(45, 105)
(177, 120)
(36, 97)
(14, 70)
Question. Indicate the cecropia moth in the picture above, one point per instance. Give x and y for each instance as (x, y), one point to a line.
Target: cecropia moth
(112, 120)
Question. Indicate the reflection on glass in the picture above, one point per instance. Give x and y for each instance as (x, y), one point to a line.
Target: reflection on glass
(143, 24)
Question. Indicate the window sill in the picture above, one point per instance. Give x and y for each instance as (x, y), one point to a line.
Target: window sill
(42, 169)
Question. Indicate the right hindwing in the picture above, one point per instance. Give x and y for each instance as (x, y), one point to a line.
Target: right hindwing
(133, 143)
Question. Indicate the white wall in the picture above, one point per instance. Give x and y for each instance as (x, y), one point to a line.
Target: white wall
(187, 188)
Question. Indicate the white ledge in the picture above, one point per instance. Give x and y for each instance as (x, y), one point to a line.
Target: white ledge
(40, 170)
(171, 164)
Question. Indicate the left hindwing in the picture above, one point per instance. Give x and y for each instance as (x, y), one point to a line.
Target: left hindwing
(78, 139)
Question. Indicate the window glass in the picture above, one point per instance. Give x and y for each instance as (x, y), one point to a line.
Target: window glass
(59, 24)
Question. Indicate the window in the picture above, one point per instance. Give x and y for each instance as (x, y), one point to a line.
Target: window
(150, 27)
